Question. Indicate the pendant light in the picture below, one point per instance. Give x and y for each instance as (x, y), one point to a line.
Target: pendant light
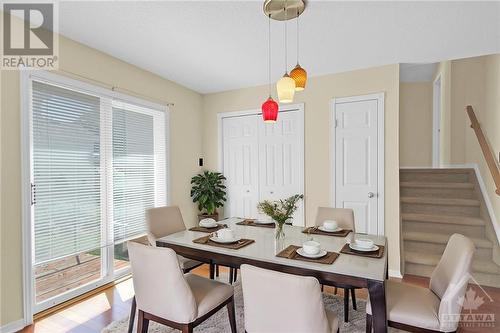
(286, 85)
(299, 74)
(269, 107)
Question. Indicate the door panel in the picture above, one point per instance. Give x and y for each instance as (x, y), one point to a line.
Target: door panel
(356, 161)
(240, 151)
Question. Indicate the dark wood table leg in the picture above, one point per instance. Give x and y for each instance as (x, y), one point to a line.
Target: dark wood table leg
(376, 289)
(212, 270)
(132, 316)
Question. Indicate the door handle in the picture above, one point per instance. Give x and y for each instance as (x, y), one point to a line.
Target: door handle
(370, 195)
(248, 191)
(272, 192)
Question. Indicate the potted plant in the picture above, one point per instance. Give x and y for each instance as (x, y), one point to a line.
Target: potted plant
(209, 192)
(280, 211)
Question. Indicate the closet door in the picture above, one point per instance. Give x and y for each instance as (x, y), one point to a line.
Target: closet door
(281, 159)
(240, 156)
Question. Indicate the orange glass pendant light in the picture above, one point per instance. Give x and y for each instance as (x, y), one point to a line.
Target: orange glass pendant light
(299, 74)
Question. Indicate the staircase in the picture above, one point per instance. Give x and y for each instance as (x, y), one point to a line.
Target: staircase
(435, 203)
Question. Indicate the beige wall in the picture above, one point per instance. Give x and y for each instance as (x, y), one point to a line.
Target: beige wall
(317, 98)
(185, 146)
(444, 71)
(415, 124)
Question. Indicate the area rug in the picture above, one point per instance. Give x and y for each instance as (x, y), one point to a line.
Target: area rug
(219, 322)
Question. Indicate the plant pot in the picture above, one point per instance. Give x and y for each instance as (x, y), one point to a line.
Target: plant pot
(214, 216)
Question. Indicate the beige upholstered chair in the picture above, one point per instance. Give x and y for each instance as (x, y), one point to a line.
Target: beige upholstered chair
(165, 295)
(278, 302)
(345, 220)
(163, 221)
(433, 309)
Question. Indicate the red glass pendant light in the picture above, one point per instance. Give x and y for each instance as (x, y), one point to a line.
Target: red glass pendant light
(270, 110)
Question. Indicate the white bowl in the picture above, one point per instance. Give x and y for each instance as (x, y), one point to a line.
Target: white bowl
(208, 223)
(311, 247)
(364, 243)
(330, 225)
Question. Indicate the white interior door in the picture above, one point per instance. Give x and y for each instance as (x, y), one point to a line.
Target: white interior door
(281, 160)
(241, 165)
(356, 160)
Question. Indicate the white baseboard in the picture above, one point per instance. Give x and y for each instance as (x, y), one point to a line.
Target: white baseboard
(13, 326)
(395, 273)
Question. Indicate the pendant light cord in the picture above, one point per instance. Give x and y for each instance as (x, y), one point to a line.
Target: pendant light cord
(269, 53)
(298, 36)
(286, 20)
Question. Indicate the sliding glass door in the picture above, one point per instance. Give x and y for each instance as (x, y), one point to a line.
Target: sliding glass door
(97, 163)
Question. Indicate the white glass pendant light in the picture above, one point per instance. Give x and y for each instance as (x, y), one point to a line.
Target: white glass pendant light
(286, 85)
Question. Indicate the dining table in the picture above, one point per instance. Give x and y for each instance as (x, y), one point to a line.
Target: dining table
(354, 270)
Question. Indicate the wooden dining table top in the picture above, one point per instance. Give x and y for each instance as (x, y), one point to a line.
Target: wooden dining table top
(264, 249)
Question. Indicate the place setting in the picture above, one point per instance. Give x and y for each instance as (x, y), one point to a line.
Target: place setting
(310, 251)
(328, 228)
(363, 247)
(257, 223)
(208, 225)
(225, 238)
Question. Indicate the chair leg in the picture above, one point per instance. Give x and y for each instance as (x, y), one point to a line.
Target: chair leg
(346, 305)
(368, 323)
(132, 315)
(217, 270)
(335, 291)
(232, 315)
(353, 296)
(187, 328)
(142, 323)
(322, 288)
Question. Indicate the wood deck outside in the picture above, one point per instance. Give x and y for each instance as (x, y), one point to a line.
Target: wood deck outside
(59, 276)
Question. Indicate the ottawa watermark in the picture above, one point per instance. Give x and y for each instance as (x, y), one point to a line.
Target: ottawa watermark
(471, 304)
(29, 36)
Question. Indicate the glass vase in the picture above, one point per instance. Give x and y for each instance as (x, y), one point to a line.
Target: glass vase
(279, 236)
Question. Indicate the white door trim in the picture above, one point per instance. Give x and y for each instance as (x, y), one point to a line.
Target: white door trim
(380, 151)
(436, 121)
(282, 108)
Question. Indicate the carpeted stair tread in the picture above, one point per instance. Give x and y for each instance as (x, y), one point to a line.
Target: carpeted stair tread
(427, 237)
(440, 201)
(416, 184)
(481, 266)
(448, 219)
(440, 170)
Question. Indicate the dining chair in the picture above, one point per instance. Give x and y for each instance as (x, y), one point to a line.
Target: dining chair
(279, 302)
(436, 308)
(345, 220)
(166, 295)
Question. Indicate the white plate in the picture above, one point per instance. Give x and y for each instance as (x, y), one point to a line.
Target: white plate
(328, 230)
(224, 241)
(321, 253)
(209, 225)
(362, 249)
(263, 221)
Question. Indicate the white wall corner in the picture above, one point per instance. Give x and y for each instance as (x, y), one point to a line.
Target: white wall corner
(13, 326)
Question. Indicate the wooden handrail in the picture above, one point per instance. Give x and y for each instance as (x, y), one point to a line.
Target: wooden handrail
(485, 147)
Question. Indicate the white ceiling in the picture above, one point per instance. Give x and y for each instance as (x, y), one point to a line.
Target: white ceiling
(213, 46)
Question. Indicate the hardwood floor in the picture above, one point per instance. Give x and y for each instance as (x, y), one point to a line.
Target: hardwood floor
(96, 312)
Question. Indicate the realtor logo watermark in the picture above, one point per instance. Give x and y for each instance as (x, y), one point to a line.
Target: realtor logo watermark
(29, 36)
(472, 315)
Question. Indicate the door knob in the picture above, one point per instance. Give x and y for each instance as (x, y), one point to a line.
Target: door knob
(370, 195)
(272, 192)
(248, 191)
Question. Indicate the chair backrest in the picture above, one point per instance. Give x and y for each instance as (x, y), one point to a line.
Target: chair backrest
(343, 216)
(450, 278)
(163, 221)
(159, 284)
(279, 302)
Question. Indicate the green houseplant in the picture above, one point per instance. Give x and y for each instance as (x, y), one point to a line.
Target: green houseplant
(280, 211)
(209, 192)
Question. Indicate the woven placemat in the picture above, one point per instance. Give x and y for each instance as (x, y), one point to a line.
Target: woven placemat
(291, 253)
(316, 231)
(251, 222)
(235, 246)
(374, 254)
(204, 229)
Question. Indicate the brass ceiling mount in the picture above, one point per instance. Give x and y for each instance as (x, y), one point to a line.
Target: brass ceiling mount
(275, 8)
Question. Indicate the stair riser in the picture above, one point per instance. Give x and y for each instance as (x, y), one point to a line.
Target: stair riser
(444, 228)
(456, 210)
(434, 177)
(434, 248)
(437, 192)
(484, 279)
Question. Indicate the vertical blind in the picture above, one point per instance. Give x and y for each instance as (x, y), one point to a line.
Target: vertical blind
(97, 165)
